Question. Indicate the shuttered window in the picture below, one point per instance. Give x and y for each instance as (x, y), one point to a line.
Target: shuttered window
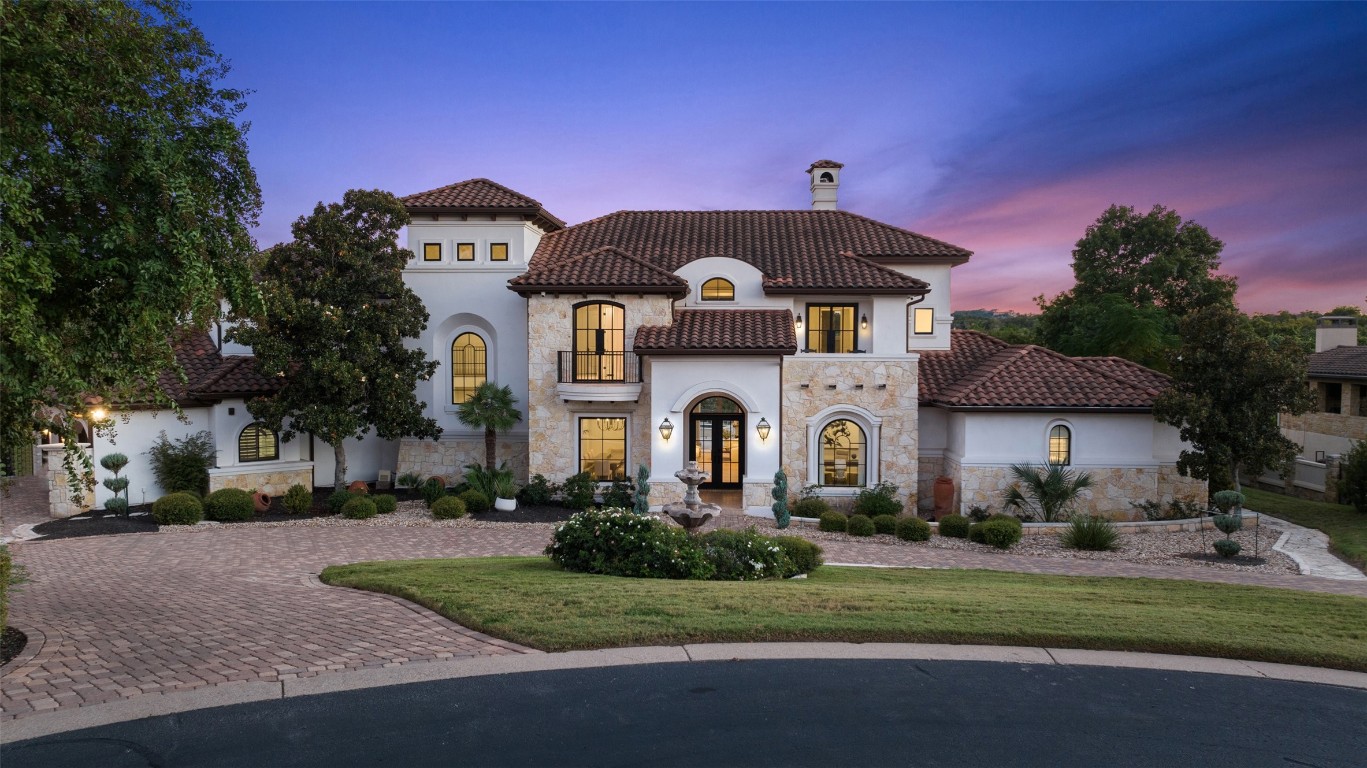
(257, 443)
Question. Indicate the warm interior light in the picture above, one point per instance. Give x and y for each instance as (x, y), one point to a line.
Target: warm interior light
(666, 429)
(763, 429)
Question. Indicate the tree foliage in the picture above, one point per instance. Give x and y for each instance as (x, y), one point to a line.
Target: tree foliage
(493, 409)
(1109, 325)
(336, 315)
(126, 197)
(1229, 385)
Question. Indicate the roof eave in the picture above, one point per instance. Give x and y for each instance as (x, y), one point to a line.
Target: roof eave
(678, 351)
(668, 290)
(950, 260)
(783, 290)
(537, 214)
(1051, 408)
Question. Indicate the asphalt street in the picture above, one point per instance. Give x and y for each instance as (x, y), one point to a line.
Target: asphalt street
(758, 713)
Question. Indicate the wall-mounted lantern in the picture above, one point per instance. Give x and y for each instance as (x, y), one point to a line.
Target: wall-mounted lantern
(666, 429)
(763, 429)
(864, 321)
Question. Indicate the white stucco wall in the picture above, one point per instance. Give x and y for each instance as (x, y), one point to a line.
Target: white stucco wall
(1099, 439)
(132, 435)
(747, 280)
(938, 276)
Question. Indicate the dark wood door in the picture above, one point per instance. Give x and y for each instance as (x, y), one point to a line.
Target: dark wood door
(717, 443)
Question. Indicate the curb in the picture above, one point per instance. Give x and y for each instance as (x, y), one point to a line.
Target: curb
(60, 721)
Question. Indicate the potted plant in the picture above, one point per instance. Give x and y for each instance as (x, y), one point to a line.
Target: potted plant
(505, 490)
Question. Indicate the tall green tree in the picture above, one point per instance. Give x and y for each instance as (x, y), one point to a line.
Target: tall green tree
(336, 315)
(1229, 385)
(1109, 325)
(126, 200)
(493, 409)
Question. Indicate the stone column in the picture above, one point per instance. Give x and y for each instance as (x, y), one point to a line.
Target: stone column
(61, 501)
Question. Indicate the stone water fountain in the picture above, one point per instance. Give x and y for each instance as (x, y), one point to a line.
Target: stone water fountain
(692, 514)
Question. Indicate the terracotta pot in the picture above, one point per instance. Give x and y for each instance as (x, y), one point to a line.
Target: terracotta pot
(358, 486)
(944, 495)
(262, 502)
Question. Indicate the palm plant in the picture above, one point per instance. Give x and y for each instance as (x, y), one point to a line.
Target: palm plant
(493, 409)
(1049, 491)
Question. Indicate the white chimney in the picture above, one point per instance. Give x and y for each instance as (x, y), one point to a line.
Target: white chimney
(1335, 331)
(825, 182)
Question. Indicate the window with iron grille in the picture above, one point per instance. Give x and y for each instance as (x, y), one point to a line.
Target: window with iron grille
(718, 289)
(469, 366)
(1060, 446)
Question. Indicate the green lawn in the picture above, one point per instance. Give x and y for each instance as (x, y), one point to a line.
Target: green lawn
(1347, 528)
(531, 601)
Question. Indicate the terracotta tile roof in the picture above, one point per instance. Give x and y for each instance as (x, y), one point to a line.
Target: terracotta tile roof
(981, 372)
(198, 357)
(825, 164)
(830, 250)
(236, 376)
(605, 267)
(1339, 363)
(211, 376)
(476, 195)
(721, 331)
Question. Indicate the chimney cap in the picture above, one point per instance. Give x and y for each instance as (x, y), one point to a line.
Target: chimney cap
(824, 164)
(1336, 321)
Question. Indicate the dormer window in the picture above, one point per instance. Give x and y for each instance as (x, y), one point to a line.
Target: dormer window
(718, 289)
(431, 251)
(465, 251)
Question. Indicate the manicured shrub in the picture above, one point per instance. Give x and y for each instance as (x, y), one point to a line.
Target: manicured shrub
(619, 494)
(297, 500)
(360, 507)
(813, 507)
(860, 525)
(448, 508)
(1227, 547)
(475, 502)
(177, 509)
(1177, 509)
(228, 505)
(1228, 524)
(114, 462)
(779, 493)
(184, 464)
(803, 554)
(1000, 531)
(978, 514)
(885, 524)
(833, 522)
(577, 492)
(1353, 483)
(116, 506)
(878, 500)
(337, 500)
(954, 526)
(616, 542)
(913, 529)
(384, 503)
(640, 495)
(744, 556)
(433, 489)
(1090, 532)
(539, 492)
(1227, 500)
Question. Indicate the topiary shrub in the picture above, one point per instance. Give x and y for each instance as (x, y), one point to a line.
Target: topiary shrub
(360, 507)
(860, 525)
(475, 502)
(1228, 524)
(913, 529)
(833, 522)
(1353, 481)
(337, 500)
(885, 524)
(116, 506)
(640, 496)
(384, 503)
(878, 500)
(297, 500)
(779, 493)
(577, 492)
(448, 508)
(813, 507)
(229, 505)
(803, 554)
(954, 526)
(1092, 533)
(177, 509)
(1227, 547)
(539, 492)
(615, 542)
(433, 489)
(1227, 500)
(1000, 531)
(744, 556)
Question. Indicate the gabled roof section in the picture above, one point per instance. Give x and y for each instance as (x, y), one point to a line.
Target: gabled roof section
(830, 250)
(721, 331)
(478, 196)
(1339, 363)
(982, 373)
(606, 269)
(211, 376)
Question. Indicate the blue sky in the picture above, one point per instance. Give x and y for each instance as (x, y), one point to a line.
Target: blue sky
(1004, 128)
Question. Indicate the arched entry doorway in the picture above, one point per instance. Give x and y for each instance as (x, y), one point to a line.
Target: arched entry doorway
(716, 440)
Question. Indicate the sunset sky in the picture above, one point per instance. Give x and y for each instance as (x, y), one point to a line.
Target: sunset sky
(1003, 128)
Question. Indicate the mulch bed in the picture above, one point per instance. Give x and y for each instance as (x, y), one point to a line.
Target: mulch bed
(12, 642)
(526, 513)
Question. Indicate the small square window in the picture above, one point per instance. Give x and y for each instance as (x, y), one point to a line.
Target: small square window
(431, 251)
(498, 252)
(465, 251)
(924, 321)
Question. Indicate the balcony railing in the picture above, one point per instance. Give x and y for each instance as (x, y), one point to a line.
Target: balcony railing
(598, 368)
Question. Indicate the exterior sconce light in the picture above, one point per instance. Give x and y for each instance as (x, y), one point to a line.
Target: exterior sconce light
(666, 429)
(763, 429)
(864, 322)
(799, 321)
(97, 413)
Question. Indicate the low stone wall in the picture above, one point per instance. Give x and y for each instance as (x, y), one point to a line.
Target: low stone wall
(449, 456)
(273, 479)
(1113, 488)
(62, 502)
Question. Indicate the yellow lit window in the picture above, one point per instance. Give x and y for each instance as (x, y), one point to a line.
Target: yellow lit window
(469, 366)
(842, 454)
(830, 328)
(431, 251)
(924, 321)
(718, 289)
(465, 251)
(603, 448)
(1060, 446)
(498, 252)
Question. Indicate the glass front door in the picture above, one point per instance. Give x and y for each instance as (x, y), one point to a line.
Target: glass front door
(718, 445)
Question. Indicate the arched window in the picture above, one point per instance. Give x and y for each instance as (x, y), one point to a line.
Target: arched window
(1060, 446)
(826, 177)
(469, 366)
(599, 342)
(844, 458)
(718, 289)
(257, 443)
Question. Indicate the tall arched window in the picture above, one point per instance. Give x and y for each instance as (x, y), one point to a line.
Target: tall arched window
(257, 443)
(469, 366)
(844, 456)
(599, 342)
(1060, 446)
(718, 289)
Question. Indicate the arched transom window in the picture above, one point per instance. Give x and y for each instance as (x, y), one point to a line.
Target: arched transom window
(599, 342)
(257, 443)
(844, 454)
(1060, 446)
(469, 366)
(718, 289)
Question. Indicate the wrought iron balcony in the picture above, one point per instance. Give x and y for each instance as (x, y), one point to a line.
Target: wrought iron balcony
(598, 376)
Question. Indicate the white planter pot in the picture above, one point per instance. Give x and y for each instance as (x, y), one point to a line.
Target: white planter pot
(505, 505)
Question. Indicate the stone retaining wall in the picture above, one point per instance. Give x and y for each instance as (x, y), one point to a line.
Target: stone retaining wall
(1113, 488)
(273, 479)
(447, 457)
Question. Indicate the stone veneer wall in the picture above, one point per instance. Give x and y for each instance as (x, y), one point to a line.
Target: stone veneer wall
(929, 468)
(1337, 424)
(61, 501)
(272, 480)
(554, 445)
(1172, 485)
(896, 405)
(447, 457)
(1112, 490)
